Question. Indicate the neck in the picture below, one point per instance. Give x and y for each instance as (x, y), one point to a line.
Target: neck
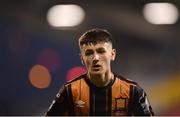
(101, 80)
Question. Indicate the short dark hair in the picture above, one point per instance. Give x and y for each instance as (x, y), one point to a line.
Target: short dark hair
(94, 36)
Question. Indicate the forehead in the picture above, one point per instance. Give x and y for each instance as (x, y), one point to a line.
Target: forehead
(104, 45)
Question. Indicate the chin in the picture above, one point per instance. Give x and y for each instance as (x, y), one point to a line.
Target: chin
(96, 73)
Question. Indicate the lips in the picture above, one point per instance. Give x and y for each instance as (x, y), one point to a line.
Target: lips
(96, 66)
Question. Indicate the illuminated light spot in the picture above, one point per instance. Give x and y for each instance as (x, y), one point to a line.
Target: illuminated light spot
(161, 13)
(65, 15)
(75, 72)
(39, 76)
(49, 58)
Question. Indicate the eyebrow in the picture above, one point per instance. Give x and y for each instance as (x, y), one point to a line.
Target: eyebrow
(88, 50)
(100, 48)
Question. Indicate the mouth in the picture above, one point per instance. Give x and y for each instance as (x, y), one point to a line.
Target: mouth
(96, 67)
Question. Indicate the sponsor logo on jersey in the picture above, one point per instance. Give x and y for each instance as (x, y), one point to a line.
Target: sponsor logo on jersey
(79, 103)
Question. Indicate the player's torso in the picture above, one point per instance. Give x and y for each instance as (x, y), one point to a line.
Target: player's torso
(90, 100)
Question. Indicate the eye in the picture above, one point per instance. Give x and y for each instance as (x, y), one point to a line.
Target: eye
(101, 50)
(88, 53)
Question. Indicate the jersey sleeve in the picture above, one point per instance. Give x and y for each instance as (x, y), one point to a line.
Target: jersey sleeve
(59, 105)
(141, 105)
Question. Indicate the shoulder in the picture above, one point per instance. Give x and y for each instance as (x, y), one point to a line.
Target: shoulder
(126, 80)
(134, 85)
(77, 79)
(67, 86)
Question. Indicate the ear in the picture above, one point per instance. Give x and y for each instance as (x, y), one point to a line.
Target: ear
(113, 54)
(82, 61)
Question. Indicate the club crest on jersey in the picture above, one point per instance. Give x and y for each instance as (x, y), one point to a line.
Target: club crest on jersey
(121, 104)
(79, 103)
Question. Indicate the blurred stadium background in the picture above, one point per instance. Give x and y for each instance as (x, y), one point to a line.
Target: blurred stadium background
(38, 52)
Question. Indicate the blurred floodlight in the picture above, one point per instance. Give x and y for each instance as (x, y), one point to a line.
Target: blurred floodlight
(65, 15)
(161, 13)
(39, 76)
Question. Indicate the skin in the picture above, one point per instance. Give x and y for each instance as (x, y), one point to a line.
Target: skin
(97, 59)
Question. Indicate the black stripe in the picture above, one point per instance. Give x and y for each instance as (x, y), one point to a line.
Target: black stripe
(70, 102)
(130, 105)
(100, 102)
(109, 103)
(91, 103)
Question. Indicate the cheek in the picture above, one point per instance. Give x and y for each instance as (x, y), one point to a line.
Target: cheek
(107, 60)
(87, 62)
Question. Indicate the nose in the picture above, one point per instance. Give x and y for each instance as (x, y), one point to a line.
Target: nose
(96, 56)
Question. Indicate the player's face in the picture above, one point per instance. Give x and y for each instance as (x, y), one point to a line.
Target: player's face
(97, 58)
